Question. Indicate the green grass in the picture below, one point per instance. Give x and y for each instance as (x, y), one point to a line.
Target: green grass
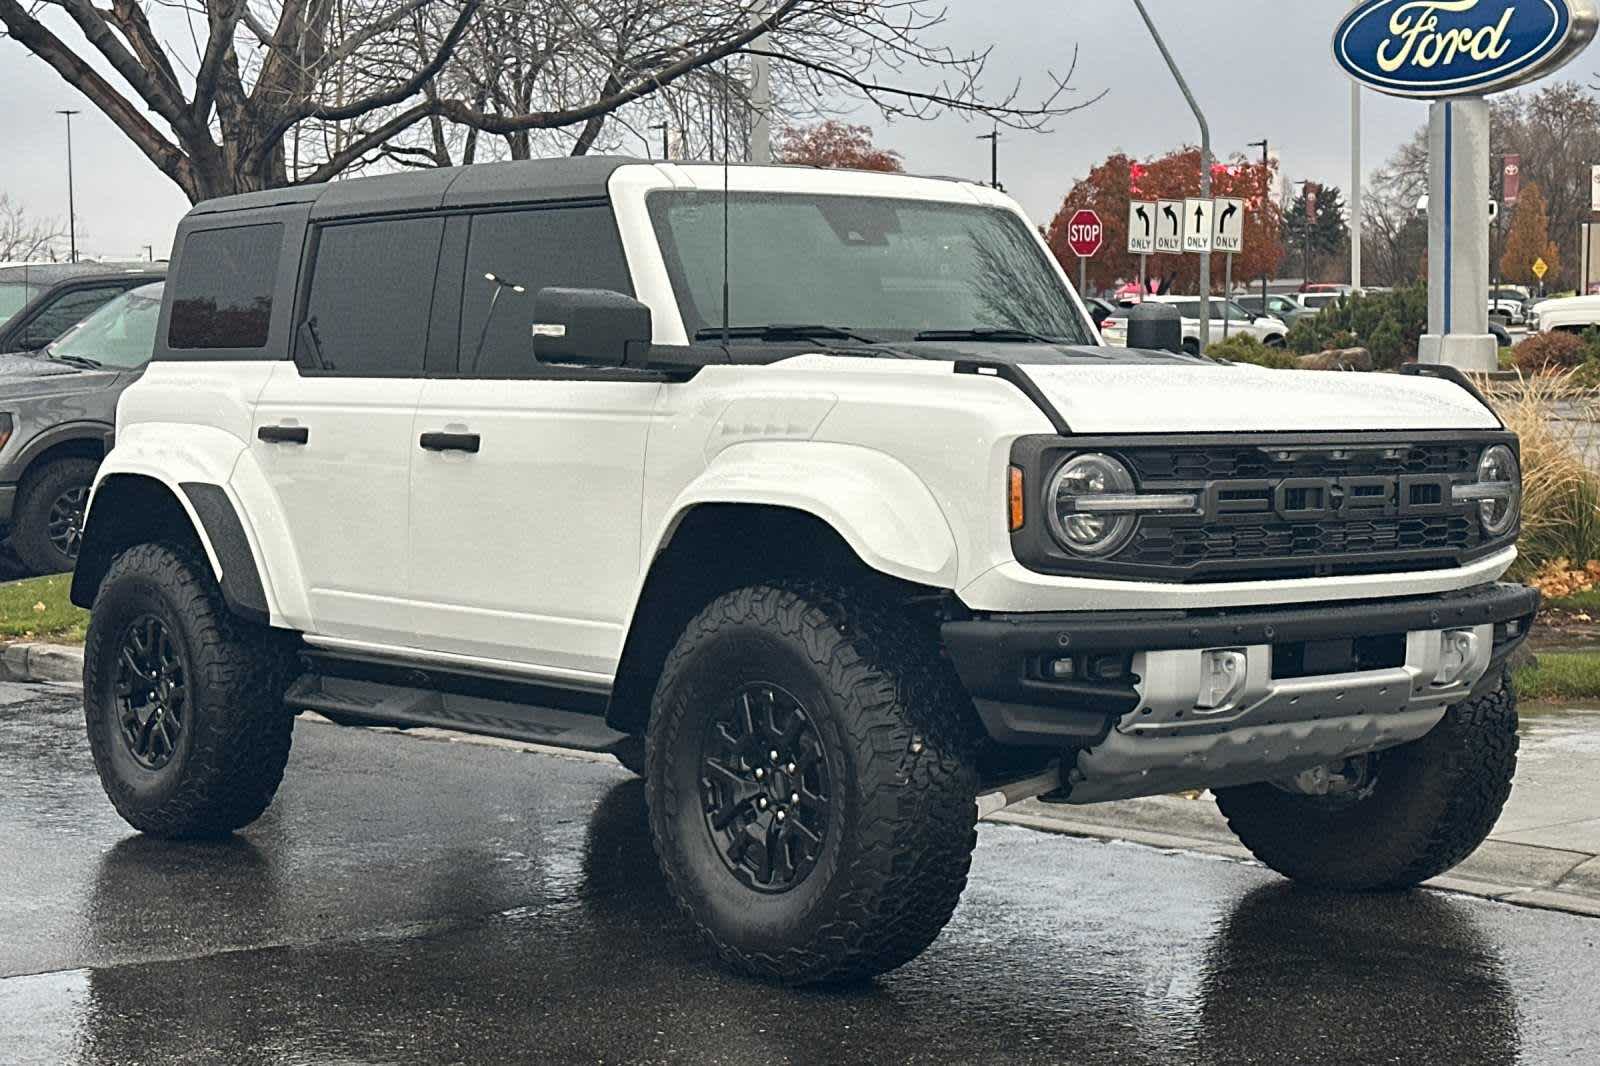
(1561, 676)
(38, 609)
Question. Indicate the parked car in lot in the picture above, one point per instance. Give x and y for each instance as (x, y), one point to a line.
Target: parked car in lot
(877, 545)
(1509, 307)
(1099, 310)
(1570, 314)
(57, 418)
(1270, 331)
(39, 302)
(1286, 309)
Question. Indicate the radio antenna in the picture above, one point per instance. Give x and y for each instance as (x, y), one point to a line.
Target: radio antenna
(726, 316)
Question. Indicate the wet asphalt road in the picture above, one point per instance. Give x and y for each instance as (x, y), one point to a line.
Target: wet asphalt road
(412, 901)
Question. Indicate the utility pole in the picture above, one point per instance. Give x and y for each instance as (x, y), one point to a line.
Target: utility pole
(994, 155)
(1356, 206)
(72, 206)
(760, 101)
(1205, 169)
(666, 149)
(1266, 196)
(1307, 205)
(150, 252)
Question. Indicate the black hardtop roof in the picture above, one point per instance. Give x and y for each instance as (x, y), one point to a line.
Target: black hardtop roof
(519, 181)
(478, 185)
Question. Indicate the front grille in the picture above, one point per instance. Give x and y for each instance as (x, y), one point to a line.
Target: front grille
(1235, 547)
(1254, 527)
(1228, 462)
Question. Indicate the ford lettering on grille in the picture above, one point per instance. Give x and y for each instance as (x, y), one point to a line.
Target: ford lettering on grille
(1324, 499)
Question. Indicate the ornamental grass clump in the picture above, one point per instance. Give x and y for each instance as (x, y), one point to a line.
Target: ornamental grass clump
(1560, 490)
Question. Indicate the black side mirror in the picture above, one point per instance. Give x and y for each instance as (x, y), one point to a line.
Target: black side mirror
(593, 327)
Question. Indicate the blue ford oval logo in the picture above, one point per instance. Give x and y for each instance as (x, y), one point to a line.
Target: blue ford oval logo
(1439, 48)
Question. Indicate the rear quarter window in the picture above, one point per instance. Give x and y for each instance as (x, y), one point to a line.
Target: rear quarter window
(222, 292)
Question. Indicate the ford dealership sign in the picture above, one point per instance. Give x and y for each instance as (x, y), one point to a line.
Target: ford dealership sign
(1444, 48)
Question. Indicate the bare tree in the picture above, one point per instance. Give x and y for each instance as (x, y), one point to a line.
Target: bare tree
(252, 94)
(23, 237)
(1394, 234)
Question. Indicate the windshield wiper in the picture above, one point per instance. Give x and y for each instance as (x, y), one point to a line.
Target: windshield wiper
(1001, 336)
(782, 331)
(76, 360)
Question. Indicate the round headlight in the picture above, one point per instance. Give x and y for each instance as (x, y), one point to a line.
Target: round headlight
(1070, 508)
(1499, 467)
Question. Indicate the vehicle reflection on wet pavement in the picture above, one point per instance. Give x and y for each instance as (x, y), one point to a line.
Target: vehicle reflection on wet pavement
(413, 901)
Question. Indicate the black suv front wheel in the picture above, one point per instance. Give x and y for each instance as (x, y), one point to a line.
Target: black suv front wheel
(183, 702)
(811, 783)
(47, 525)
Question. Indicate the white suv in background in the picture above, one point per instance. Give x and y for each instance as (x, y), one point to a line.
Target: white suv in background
(1264, 328)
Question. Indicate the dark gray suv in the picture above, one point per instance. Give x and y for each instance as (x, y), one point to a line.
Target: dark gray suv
(57, 415)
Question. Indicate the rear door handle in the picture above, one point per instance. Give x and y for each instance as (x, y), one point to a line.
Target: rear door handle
(284, 434)
(451, 442)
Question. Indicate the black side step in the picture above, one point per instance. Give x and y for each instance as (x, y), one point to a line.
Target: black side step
(382, 703)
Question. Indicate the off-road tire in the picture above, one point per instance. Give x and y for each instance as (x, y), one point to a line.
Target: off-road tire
(229, 755)
(897, 736)
(30, 533)
(1433, 801)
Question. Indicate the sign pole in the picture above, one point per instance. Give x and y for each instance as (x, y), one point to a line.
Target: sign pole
(1083, 275)
(1458, 253)
(1227, 295)
(1144, 275)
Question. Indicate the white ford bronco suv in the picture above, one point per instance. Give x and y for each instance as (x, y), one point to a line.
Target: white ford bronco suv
(813, 497)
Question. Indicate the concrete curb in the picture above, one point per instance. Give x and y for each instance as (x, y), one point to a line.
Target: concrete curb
(1524, 875)
(30, 662)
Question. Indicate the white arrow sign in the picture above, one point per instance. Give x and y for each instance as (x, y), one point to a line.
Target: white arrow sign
(1198, 218)
(1229, 233)
(1141, 227)
(1169, 226)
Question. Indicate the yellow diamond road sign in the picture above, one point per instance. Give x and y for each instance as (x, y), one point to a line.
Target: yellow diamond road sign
(1540, 268)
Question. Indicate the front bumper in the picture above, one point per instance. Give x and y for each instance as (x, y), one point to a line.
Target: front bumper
(1322, 680)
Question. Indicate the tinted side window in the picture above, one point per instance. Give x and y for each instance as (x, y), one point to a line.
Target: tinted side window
(63, 313)
(222, 294)
(573, 247)
(371, 294)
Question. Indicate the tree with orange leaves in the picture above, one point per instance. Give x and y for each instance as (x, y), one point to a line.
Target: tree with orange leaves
(835, 145)
(1120, 179)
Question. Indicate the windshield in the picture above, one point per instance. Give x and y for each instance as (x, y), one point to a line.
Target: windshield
(881, 269)
(122, 334)
(14, 295)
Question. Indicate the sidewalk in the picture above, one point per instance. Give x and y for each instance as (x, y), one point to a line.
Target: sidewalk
(1545, 851)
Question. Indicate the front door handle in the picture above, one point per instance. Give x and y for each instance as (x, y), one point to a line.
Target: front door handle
(451, 442)
(284, 434)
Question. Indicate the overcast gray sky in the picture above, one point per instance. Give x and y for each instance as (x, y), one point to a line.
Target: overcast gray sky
(1259, 68)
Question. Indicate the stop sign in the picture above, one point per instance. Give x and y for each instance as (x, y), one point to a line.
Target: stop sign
(1085, 234)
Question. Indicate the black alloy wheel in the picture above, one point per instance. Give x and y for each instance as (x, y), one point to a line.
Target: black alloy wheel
(765, 788)
(64, 524)
(152, 692)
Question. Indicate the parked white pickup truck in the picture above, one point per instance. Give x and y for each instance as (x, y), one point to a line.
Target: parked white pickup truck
(1570, 314)
(814, 497)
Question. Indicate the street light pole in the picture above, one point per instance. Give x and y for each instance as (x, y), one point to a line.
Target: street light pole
(994, 155)
(1357, 207)
(1266, 195)
(72, 206)
(1205, 169)
(666, 149)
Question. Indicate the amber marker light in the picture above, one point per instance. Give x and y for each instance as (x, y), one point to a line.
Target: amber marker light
(1015, 494)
